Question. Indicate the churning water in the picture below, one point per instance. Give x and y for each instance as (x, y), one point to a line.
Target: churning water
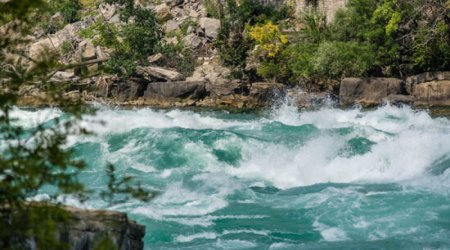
(330, 178)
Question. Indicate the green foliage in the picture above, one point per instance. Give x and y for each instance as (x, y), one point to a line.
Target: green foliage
(131, 43)
(213, 7)
(34, 158)
(70, 11)
(370, 38)
(66, 48)
(184, 26)
(178, 57)
(232, 43)
(123, 187)
(336, 60)
(270, 42)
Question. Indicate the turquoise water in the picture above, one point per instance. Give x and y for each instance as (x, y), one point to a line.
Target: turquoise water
(282, 179)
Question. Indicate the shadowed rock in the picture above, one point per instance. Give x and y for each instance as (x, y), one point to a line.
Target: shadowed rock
(192, 90)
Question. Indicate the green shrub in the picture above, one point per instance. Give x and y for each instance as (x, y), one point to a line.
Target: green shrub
(131, 42)
(336, 60)
(212, 8)
(178, 57)
(70, 11)
(232, 43)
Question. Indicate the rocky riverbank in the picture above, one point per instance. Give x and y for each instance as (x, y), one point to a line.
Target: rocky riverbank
(188, 24)
(90, 229)
(426, 90)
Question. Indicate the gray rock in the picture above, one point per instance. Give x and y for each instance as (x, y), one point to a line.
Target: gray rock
(171, 25)
(211, 27)
(131, 89)
(86, 228)
(368, 91)
(192, 41)
(107, 11)
(212, 72)
(153, 72)
(194, 14)
(432, 93)
(163, 12)
(155, 58)
(192, 90)
(425, 77)
(89, 51)
(174, 2)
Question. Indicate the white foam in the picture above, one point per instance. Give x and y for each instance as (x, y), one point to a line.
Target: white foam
(189, 238)
(118, 121)
(407, 146)
(32, 118)
(330, 233)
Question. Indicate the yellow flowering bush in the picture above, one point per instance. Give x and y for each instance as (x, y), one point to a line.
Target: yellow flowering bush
(269, 37)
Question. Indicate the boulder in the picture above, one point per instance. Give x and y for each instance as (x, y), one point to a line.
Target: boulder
(158, 73)
(211, 27)
(86, 229)
(193, 14)
(192, 41)
(368, 91)
(63, 76)
(89, 50)
(107, 11)
(174, 2)
(425, 77)
(226, 88)
(163, 12)
(181, 89)
(264, 93)
(310, 100)
(171, 25)
(131, 89)
(54, 42)
(432, 93)
(212, 72)
(155, 58)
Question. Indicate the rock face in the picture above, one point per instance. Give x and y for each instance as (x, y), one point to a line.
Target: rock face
(369, 91)
(432, 94)
(182, 90)
(431, 89)
(412, 81)
(153, 72)
(310, 100)
(86, 228)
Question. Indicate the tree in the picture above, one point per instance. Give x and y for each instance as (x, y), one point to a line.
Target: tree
(33, 158)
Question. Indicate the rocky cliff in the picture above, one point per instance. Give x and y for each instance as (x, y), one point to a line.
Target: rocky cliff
(86, 229)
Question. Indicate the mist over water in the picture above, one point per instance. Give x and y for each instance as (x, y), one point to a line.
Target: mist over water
(281, 179)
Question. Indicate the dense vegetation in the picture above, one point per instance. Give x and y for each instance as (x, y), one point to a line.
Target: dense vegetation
(368, 38)
(138, 36)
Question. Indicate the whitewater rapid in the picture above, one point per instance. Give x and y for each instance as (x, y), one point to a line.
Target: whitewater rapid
(223, 178)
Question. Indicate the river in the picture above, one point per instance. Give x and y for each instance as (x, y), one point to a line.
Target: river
(281, 179)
